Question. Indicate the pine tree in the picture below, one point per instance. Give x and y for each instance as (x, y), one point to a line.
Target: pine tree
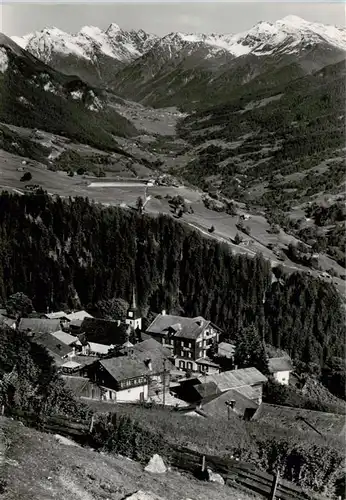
(250, 350)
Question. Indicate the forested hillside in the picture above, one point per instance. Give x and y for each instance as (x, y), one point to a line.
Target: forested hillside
(269, 146)
(73, 253)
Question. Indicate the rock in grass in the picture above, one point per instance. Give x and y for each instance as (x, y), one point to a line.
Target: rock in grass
(213, 477)
(156, 465)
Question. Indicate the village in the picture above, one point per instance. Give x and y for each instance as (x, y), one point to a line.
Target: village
(177, 362)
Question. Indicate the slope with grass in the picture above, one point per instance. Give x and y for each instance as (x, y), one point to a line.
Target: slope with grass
(37, 465)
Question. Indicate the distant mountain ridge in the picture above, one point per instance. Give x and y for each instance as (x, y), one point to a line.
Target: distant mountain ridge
(168, 70)
(284, 34)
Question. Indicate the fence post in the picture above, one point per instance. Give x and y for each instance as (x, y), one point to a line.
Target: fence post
(91, 424)
(274, 486)
(3, 410)
(203, 463)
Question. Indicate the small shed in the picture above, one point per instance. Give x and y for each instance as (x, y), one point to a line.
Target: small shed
(281, 368)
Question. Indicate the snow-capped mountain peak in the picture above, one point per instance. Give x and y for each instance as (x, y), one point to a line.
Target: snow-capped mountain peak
(91, 45)
(87, 43)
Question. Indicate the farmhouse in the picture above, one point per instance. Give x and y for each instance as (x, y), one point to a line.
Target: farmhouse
(122, 379)
(280, 368)
(189, 340)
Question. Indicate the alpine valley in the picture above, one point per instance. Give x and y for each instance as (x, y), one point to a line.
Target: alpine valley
(172, 245)
(248, 125)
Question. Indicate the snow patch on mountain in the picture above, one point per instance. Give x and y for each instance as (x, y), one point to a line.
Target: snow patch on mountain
(287, 36)
(264, 38)
(89, 42)
(3, 60)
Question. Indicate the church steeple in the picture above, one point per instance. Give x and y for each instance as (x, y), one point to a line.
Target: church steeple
(134, 306)
(133, 317)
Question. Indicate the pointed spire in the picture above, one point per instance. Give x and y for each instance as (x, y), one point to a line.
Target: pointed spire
(134, 307)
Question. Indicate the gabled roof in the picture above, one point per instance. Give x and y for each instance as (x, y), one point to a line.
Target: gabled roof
(78, 315)
(217, 407)
(233, 379)
(156, 352)
(283, 364)
(207, 390)
(53, 345)
(85, 360)
(181, 327)
(104, 331)
(39, 325)
(301, 419)
(64, 337)
(123, 368)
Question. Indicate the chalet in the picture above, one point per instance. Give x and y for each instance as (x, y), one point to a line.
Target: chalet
(189, 340)
(122, 379)
(39, 325)
(57, 349)
(299, 419)
(280, 368)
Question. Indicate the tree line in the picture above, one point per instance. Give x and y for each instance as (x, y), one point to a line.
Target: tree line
(75, 253)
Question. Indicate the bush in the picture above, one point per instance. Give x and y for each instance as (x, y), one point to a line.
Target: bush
(238, 239)
(26, 177)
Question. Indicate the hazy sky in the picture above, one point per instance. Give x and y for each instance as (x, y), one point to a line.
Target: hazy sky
(161, 17)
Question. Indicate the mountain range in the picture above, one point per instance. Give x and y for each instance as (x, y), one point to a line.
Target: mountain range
(188, 70)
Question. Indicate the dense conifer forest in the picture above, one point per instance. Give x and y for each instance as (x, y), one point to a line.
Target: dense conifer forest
(74, 253)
